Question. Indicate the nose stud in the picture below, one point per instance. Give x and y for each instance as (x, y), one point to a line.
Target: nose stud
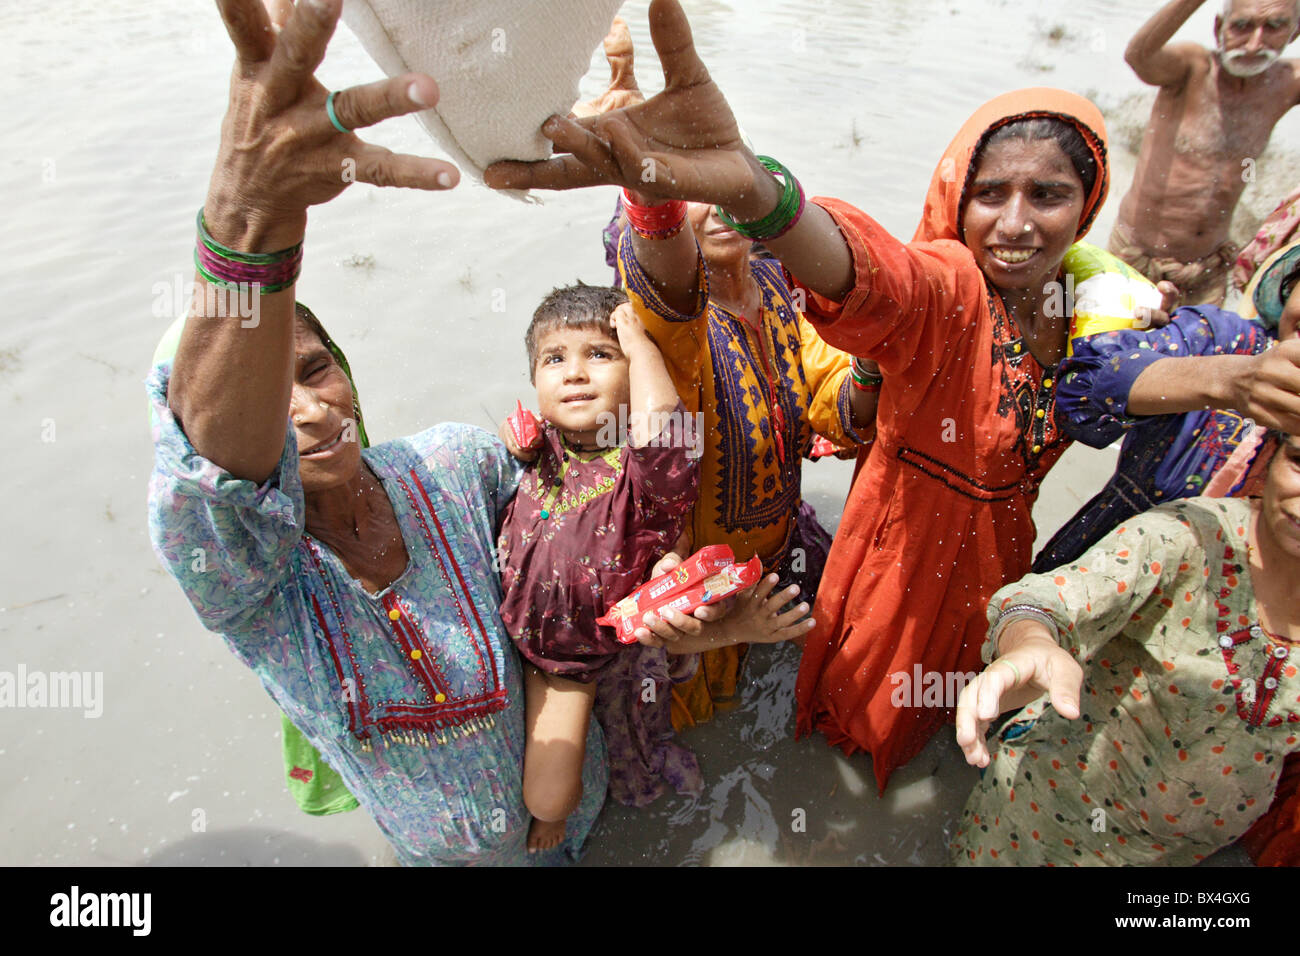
(1029, 227)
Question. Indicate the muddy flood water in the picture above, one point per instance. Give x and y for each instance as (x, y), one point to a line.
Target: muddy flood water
(113, 110)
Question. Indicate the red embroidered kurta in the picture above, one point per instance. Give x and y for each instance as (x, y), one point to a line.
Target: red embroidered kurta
(938, 517)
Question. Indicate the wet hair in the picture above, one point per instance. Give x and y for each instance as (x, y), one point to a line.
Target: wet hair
(1063, 134)
(578, 306)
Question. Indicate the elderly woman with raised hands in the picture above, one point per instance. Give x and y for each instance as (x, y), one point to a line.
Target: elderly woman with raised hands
(359, 586)
(959, 322)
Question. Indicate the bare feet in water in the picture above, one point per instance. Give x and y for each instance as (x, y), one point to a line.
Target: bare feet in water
(544, 836)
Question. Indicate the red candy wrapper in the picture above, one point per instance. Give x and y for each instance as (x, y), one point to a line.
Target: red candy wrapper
(524, 427)
(823, 447)
(706, 577)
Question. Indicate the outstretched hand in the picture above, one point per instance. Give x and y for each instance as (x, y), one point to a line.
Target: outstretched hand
(753, 616)
(1031, 661)
(279, 152)
(623, 90)
(681, 144)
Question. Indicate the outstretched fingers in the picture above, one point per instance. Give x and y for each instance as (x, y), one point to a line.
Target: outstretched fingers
(1064, 684)
(301, 45)
(382, 167)
(993, 683)
(970, 729)
(578, 139)
(558, 172)
(360, 106)
(671, 33)
(249, 28)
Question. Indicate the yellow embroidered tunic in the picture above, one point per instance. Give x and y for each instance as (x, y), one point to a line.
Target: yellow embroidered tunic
(749, 489)
(749, 477)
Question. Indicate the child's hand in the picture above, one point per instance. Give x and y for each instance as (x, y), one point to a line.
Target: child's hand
(751, 617)
(629, 328)
(757, 618)
(683, 632)
(512, 430)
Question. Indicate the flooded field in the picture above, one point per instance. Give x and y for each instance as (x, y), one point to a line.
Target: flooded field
(99, 191)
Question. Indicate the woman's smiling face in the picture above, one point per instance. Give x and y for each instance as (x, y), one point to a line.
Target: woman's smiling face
(329, 449)
(1023, 208)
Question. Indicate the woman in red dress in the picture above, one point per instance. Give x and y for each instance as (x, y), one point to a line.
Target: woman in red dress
(938, 517)
(967, 324)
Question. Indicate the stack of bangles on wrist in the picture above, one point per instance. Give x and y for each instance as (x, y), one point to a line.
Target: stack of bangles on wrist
(863, 380)
(781, 219)
(655, 222)
(267, 272)
(1020, 612)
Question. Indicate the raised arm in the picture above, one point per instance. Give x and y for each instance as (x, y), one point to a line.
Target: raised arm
(651, 391)
(1203, 358)
(684, 144)
(1264, 387)
(232, 378)
(1153, 58)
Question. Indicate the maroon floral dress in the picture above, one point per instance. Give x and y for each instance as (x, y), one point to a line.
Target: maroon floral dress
(584, 531)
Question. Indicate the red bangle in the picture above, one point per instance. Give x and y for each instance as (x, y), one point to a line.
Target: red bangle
(869, 389)
(655, 222)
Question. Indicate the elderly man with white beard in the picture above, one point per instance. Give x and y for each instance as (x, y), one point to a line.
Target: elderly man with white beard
(1212, 119)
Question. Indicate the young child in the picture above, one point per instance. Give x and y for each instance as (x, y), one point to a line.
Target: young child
(590, 519)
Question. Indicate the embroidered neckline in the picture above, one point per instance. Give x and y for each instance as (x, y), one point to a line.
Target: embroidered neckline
(440, 716)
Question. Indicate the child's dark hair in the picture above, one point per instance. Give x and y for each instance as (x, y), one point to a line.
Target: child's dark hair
(578, 306)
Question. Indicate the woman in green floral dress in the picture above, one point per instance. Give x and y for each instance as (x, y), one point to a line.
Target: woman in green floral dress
(1169, 655)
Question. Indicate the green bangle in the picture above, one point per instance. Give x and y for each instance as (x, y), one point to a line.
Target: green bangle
(1014, 669)
(781, 219)
(863, 377)
(252, 258)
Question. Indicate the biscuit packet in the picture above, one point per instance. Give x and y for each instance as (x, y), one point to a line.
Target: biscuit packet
(706, 577)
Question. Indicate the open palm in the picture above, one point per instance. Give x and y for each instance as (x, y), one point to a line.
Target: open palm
(681, 144)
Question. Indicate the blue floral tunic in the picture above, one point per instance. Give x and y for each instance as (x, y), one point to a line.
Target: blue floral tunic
(414, 695)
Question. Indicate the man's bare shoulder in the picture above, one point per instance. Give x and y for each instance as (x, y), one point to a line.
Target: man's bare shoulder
(1292, 66)
(1184, 64)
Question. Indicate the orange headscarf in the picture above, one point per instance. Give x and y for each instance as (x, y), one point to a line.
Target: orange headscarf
(944, 204)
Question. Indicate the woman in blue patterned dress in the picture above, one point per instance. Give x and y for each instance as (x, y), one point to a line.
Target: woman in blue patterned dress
(359, 585)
